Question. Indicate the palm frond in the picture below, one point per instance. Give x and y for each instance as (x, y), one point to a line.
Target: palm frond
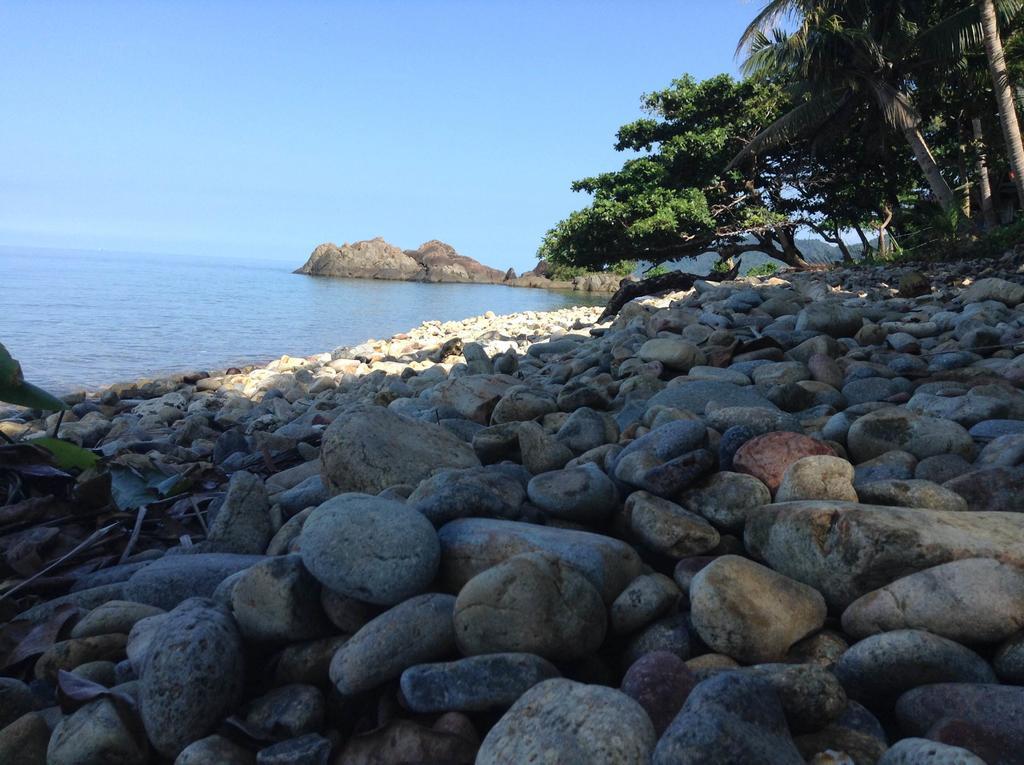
(801, 119)
(768, 17)
(894, 105)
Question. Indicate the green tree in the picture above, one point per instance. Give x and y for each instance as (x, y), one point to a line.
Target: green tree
(676, 199)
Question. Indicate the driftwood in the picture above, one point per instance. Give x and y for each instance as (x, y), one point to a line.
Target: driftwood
(671, 282)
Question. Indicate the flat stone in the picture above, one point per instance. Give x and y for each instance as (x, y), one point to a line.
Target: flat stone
(113, 616)
(168, 581)
(667, 528)
(846, 550)
(373, 448)
(568, 722)
(414, 632)
(242, 524)
(277, 600)
(899, 429)
(696, 395)
(878, 669)
(474, 684)
(911, 493)
(472, 545)
(98, 733)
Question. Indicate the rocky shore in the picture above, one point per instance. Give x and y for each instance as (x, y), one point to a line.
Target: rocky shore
(764, 521)
(435, 262)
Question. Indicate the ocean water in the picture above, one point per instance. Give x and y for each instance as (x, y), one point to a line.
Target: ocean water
(84, 319)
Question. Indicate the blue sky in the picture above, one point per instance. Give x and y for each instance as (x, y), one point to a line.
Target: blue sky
(262, 129)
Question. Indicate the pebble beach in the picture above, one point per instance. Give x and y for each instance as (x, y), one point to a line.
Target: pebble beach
(775, 520)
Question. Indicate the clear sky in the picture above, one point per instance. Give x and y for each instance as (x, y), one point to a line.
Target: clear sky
(264, 128)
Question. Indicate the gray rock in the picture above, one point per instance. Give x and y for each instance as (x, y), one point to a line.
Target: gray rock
(667, 528)
(215, 749)
(584, 494)
(310, 749)
(277, 600)
(493, 491)
(811, 696)
(416, 631)
(727, 499)
(472, 545)
(99, 733)
(670, 634)
(309, 493)
(896, 428)
(113, 616)
(369, 548)
(288, 711)
(192, 676)
(878, 669)
(697, 395)
(572, 724)
(847, 550)
(751, 613)
(541, 452)
(168, 581)
(16, 699)
(373, 448)
(974, 600)
(992, 288)
(647, 598)
(911, 493)
(674, 352)
(732, 717)
(530, 603)
(893, 465)
(921, 751)
(474, 684)
(1009, 660)
(587, 429)
(944, 467)
(992, 489)
(242, 524)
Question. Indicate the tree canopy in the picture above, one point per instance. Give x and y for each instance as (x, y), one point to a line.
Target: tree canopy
(875, 117)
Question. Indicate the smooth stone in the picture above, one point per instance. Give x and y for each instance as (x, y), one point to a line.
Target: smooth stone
(242, 524)
(309, 749)
(921, 751)
(993, 288)
(974, 600)
(911, 493)
(192, 677)
(1004, 451)
(287, 711)
(987, 719)
(521, 402)
(215, 749)
(309, 493)
(944, 467)
(1009, 660)
(697, 395)
(759, 421)
(168, 581)
(583, 494)
(373, 549)
(878, 669)
(25, 740)
(732, 717)
(587, 429)
(674, 352)
(768, 457)
(474, 684)
(730, 443)
(530, 603)
(665, 442)
(992, 429)
(414, 632)
(996, 489)
(450, 740)
(16, 699)
(541, 451)
(660, 682)
(830, 318)
(811, 696)
(817, 477)
(493, 491)
(113, 616)
(99, 733)
(572, 724)
(68, 654)
(277, 600)
(667, 528)
(846, 550)
(472, 545)
(751, 613)
(727, 499)
(373, 448)
(648, 597)
(895, 428)
(893, 465)
(670, 633)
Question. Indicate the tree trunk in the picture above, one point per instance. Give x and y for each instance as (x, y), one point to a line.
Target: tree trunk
(867, 250)
(673, 280)
(1004, 93)
(943, 194)
(883, 232)
(988, 210)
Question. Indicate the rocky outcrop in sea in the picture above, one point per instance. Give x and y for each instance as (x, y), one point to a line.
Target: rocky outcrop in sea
(763, 521)
(434, 261)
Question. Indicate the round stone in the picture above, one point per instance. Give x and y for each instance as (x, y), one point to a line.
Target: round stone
(727, 498)
(667, 528)
(660, 682)
(896, 428)
(370, 548)
(531, 603)
(568, 722)
(583, 494)
(817, 477)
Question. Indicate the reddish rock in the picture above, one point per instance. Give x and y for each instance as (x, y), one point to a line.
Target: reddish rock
(660, 682)
(767, 457)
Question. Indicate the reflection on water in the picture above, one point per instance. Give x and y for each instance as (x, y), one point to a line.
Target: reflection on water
(79, 319)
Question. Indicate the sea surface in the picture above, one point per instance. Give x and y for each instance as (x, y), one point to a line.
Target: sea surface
(80, 319)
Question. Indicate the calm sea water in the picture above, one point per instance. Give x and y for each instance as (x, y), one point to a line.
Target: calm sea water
(84, 319)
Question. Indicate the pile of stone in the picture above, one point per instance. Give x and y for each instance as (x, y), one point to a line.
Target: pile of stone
(767, 521)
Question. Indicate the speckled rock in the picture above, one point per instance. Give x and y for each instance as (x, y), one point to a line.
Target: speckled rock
(474, 684)
(817, 477)
(667, 528)
(727, 499)
(768, 457)
(572, 724)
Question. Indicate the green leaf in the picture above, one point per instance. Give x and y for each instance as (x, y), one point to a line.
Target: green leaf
(14, 389)
(68, 455)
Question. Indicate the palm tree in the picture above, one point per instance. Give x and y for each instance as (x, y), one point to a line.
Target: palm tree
(840, 56)
(1003, 91)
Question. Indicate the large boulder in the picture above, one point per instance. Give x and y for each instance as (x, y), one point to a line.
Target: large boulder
(373, 448)
(846, 550)
(369, 259)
